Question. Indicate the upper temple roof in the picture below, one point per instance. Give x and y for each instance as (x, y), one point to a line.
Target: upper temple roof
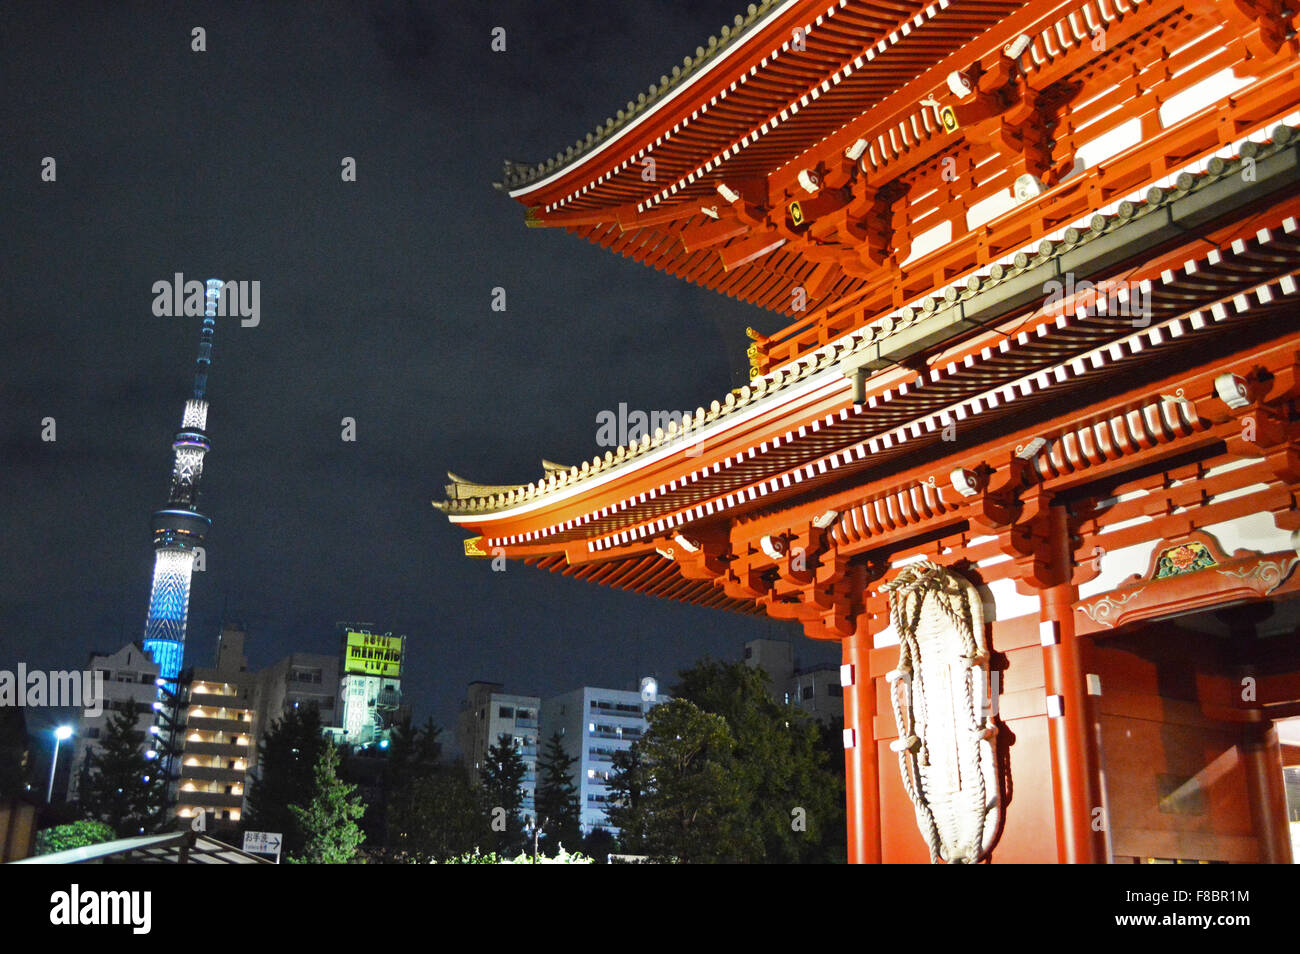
(517, 174)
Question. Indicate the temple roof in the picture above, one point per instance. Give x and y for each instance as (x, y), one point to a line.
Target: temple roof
(784, 79)
(772, 62)
(949, 314)
(518, 174)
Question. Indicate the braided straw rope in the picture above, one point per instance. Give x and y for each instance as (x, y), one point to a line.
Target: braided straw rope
(945, 744)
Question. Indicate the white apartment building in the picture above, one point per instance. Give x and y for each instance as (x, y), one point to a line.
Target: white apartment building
(130, 682)
(593, 724)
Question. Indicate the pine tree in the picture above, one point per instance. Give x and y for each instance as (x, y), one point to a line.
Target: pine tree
(689, 806)
(123, 788)
(624, 809)
(442, 818)
(557, 798)
(286, 763)
(412, 752)
(328, 822)
(413, 756)
(431, 811)
(781, 763)
(502, 776)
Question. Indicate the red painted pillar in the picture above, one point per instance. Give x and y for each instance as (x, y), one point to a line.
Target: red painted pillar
(1072, 739)
(861, 771)
(1262, 758)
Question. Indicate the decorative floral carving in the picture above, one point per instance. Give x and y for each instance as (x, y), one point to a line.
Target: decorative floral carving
(1184, 558)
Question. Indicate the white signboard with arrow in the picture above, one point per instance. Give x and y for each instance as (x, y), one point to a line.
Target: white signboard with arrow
(263, 843)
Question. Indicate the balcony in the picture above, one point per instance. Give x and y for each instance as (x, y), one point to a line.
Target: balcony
(203, 774)
(229, 750)
(208, 800)
(215, 724)
(629, 735)
(212, 701)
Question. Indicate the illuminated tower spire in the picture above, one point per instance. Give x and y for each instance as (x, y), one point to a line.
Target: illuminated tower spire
(179, 528)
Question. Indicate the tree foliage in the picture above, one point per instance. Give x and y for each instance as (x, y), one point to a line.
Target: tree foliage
(329, 821)
(78, 834)
(561, 857)
(287, 757)
(121, 787)
(414, 755)
(439, 814)
(13, 752)
(688, 805)
(725, 773)
(794, 790)
(502, 776)
(557, 797)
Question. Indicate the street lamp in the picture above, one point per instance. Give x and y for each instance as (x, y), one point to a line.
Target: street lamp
(61, 734)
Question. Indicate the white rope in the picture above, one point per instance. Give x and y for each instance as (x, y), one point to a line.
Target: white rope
(945, 746)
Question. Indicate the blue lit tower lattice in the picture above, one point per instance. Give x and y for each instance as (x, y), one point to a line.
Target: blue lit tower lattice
(179, 528)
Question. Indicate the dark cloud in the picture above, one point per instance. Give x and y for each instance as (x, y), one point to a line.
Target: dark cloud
(375, 305)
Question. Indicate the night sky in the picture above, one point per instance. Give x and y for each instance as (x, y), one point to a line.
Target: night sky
(375, 305)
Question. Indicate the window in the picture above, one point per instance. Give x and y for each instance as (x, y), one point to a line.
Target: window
(807, 692)
(834, 689)
(749, 652)
(506, 712)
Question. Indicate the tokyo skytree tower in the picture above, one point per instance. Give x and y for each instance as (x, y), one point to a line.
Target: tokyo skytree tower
(179, 528)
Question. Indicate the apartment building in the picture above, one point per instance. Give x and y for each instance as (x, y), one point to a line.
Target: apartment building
(489, 712)
(220, 735)
(815, 690)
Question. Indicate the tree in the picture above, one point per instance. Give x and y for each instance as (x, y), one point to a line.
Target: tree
(502, 776)
(413, 757)
(689, 806)
(557, 798)
(413, 752)
(440, 816)
(13, 752)
(624, 809)
(328, 822)
(78, 834)
(599, 845)
(287, 758)
(431, 811)
(123, 788)
(794, 792)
